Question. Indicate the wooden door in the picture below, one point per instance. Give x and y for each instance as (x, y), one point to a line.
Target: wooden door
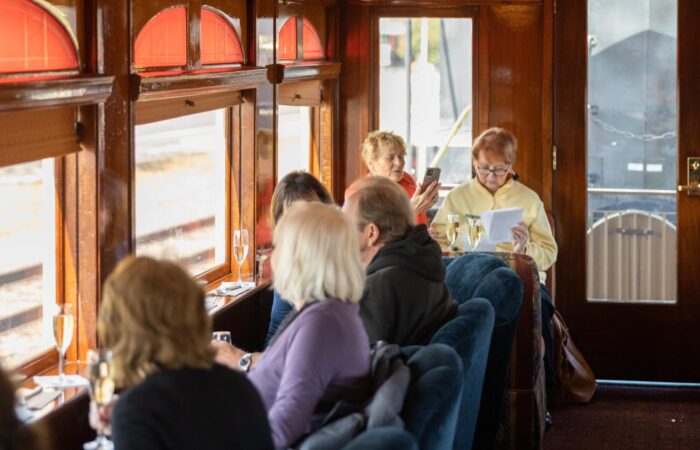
(627, 284)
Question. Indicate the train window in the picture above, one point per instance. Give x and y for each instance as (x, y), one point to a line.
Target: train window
(425, 91)
(287, 44)
(220, 43)
(163, 40)
(293, 139)
(28, 276)
(181, 172)
(34, 40)
(632, 154)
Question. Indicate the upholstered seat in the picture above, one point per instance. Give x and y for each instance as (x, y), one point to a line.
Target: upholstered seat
(431, 405)
(470, 335)
(383, 438)
(484, 275)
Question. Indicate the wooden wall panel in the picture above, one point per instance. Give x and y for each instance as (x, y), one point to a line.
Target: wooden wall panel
(515, 83)
(355, 106)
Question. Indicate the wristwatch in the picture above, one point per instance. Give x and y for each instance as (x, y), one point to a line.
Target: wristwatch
(245, 361)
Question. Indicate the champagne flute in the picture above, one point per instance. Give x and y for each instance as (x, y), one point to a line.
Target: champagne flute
(63, 323)
(240, 249)
(475, 231)
(99, 367)
(452, 229)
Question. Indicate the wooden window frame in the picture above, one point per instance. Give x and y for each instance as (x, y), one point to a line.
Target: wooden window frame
(479, 88)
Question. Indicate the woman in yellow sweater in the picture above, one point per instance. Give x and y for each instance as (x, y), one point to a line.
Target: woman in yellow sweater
(495, 186)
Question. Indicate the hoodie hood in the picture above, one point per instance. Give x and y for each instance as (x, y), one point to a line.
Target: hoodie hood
(417, 252)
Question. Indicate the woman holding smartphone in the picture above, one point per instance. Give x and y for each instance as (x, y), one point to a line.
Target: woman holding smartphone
(384, 154)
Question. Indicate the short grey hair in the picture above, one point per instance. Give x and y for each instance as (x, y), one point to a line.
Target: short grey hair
(381, 201)
(317, 255)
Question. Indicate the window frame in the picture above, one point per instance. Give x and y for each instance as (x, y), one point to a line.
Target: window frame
(480, 94)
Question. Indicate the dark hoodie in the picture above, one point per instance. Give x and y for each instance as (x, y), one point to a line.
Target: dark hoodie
(405, 299)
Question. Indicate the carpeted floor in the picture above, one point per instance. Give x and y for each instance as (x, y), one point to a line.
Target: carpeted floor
(629, 418)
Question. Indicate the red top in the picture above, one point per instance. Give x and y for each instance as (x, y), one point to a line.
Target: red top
(409, 186)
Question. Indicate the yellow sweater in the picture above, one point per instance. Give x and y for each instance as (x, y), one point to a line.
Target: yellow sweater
(473, 198)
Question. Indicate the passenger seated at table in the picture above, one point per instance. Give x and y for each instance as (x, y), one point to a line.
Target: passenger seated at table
(294, 187)
(384, 154)
(14, 434)
(405, 299)
(154, 321)
(495, 186)
(320, 353)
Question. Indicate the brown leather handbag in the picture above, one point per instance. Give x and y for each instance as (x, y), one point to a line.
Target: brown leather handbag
(576, 379)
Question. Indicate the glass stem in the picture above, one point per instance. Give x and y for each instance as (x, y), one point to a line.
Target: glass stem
(240, 272)
(61, 364)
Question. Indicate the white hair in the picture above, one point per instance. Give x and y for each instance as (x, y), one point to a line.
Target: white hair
(317, 255)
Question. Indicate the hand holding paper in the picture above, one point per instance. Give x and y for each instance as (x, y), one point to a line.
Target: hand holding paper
(498, 223)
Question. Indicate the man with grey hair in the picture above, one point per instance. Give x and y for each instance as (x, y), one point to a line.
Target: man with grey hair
(405, 299)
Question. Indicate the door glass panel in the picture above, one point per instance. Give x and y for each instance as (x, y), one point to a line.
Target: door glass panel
(28, 262)
(294, 139)
(631, 239)
(181, 190)
(425, 92)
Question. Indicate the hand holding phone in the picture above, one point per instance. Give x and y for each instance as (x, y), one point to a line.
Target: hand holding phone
(432, 174)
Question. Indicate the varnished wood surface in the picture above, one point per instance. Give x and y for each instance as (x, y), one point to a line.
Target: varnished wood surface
(70, 91)
(310, 71)
(633, 341)
(188, 84)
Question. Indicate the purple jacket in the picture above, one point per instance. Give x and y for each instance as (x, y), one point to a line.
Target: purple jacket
(322, 356)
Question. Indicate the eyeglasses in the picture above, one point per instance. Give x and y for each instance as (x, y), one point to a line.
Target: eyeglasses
(498, 171)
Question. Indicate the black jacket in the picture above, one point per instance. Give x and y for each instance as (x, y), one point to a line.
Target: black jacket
(188, 409)
(405, 299)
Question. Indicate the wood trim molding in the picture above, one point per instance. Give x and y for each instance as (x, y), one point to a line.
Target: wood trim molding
(183, 84)
(73, 91)
(310, 71)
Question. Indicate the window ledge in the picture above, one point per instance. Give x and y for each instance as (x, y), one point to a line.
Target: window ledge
(44, 93)
(225, 302)
(182, 84)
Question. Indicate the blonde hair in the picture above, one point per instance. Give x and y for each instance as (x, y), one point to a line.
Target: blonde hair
(497, 140)
(376, 140)
(153, 317)
(381, 201)
(317, 255)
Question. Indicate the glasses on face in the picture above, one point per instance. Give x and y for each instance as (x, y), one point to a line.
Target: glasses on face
(496, 170)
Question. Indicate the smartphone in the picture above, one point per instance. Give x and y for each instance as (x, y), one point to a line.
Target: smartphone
(431, 174)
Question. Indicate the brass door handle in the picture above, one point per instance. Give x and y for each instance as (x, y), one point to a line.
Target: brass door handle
(689, 187)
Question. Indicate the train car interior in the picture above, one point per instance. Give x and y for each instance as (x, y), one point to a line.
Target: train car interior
(349, 224)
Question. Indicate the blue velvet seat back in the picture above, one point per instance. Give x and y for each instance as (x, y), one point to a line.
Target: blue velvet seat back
(487, 276)
(431, 404)
(383, 438)
(470, 335)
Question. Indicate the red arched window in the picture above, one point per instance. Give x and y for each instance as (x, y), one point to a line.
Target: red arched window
(220, 44)
(163, 40)
(33, 40)
(311, 47)
(311, 43)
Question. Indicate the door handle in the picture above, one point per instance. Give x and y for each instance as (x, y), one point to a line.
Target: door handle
(693, 186)
(689, 187)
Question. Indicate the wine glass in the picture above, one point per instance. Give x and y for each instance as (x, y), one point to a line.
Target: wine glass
(452, 229)
(221, 336)
(475, 231)
(99, 367)
(240, 249)
(63, 323)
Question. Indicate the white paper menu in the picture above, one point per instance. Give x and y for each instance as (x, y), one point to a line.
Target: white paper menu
(498, 223)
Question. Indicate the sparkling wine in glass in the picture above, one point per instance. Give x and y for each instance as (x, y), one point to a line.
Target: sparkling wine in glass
(63, 324)
(240, 249)
(452, 229)
(475, 231)
(99, 371)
